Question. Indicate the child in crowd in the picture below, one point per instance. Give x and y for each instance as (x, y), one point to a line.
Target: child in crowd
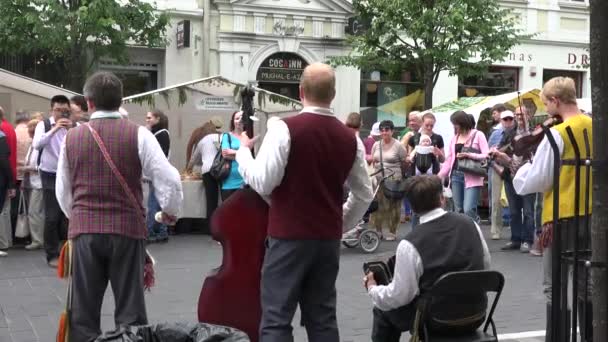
(423, 159)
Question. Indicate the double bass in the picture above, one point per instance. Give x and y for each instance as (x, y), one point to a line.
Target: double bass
(230, 295)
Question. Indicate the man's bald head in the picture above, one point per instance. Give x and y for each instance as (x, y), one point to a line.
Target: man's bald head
(318, 85)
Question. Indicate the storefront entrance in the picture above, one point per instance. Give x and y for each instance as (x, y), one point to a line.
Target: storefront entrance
(280, 73)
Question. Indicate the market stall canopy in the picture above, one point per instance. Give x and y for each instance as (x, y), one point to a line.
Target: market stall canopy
(476, 105)
(191, 104)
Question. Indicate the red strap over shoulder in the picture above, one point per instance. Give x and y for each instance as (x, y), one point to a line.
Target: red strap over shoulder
(114, 169)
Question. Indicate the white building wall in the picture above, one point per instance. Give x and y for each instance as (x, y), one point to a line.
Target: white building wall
(347, 91)
(184, 64)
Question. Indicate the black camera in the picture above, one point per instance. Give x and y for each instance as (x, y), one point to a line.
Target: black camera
(66, 115)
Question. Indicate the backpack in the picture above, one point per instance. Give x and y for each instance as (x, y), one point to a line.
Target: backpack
(47, 127)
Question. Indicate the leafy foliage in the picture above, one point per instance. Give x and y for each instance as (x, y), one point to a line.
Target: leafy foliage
(73, 35)
(428, 36)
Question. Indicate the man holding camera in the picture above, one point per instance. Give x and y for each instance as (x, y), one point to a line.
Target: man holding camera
(48, 137)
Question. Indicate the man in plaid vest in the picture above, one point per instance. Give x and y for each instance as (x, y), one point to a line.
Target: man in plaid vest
(101, 194)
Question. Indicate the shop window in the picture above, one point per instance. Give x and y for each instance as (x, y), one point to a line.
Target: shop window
(577, 76)
(388, 97)
(498, 80)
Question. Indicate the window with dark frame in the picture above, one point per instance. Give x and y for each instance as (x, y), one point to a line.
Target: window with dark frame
(498, 80)
(372, 95)
(577, 76)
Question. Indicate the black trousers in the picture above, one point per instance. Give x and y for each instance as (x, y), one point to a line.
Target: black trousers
(55, 222)
(300, 272)
(226, 193)
(15, 207)
(97, 259)
(388, 325)
(212, 194)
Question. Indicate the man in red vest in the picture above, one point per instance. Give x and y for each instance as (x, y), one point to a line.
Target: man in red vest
(302, 165)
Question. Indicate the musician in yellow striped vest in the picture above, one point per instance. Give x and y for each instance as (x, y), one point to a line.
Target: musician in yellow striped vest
(559, 97)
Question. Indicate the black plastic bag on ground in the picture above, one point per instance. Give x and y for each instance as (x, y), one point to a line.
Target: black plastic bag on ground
(177, 332)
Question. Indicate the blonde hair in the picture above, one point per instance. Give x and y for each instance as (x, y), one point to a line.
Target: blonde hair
(31, 125)
(562, 88)
(414, 114)
(36, 116)
(428, 115)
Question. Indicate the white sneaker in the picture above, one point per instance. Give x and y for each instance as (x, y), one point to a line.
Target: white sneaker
(3, 254)
(390, 237)
(33, 246)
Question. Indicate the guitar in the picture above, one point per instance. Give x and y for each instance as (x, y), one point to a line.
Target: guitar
(230, 295)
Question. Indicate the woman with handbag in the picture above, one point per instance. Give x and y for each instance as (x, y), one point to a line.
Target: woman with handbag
(230, 144)
(465, 164)
(389, 157)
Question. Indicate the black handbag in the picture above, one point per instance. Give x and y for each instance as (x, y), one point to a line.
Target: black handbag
(220, 169)
(392, 189)
(476, 167)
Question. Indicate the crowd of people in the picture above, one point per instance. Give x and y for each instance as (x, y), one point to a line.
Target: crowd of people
(417, 150)
(89, 170)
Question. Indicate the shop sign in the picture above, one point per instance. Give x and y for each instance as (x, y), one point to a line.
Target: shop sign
(582, 59)
(216, 103)
(183, 34)
(282, 67)
(283, 75)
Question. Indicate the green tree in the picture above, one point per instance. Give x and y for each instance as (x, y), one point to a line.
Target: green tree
(426, 37)
(71, 36)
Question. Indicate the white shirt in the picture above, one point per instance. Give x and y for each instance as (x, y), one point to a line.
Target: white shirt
(155, 166)
(205, 151)
(408, 270)
(265, 172)
(538, 176)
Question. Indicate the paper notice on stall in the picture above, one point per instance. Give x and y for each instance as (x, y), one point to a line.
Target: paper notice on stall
(216, 103)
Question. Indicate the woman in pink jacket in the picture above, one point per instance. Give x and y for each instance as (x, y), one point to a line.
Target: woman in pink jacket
(466, 187)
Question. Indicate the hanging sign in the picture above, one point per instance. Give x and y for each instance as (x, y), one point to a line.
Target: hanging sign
(216, 103)
(282, 67)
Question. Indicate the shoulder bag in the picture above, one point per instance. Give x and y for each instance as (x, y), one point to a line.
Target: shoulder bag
(392, 189)
(220, 169)
(472, 166)
(22, 229)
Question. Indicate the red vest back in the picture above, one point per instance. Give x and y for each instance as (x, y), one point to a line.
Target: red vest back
(100, 203)
(308, 202)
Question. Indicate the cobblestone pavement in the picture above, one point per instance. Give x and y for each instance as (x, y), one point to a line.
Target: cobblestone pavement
(31, 296)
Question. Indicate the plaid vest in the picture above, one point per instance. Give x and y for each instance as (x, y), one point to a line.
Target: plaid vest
(100, 205)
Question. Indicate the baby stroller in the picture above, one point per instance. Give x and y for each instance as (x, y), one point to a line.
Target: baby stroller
(367, 239)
